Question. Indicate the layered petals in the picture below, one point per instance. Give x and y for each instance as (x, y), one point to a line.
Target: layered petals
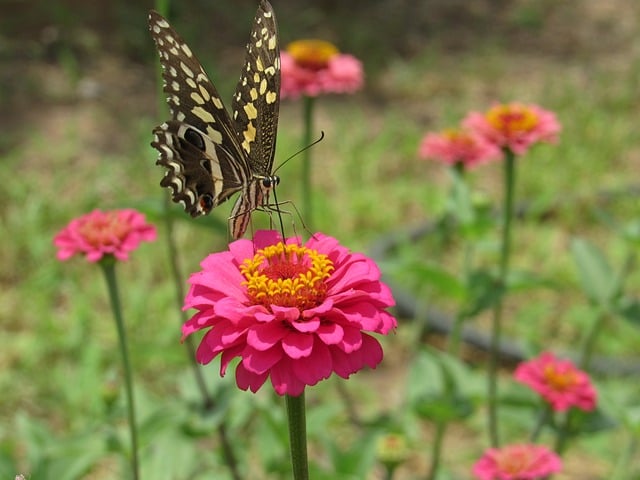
(292, 313)
(315, 67)
(98, 234)
(514, 126)
(455, 146)
(558, 382)
(517, 462)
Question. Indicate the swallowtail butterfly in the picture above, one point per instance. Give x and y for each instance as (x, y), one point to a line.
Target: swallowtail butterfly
(208, 154)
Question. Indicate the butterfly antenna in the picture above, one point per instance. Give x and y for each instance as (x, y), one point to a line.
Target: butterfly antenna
(300, 151)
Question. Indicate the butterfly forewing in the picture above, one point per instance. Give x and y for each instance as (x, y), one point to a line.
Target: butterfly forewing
(257, 97)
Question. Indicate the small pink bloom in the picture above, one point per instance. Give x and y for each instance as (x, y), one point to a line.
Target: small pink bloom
(515, 126)
(316, 67)
(458, 146)
(96, 234)
(559, 382)
(517, 462)
(293, 313)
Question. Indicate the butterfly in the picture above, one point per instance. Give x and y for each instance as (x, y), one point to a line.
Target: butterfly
(210, 155)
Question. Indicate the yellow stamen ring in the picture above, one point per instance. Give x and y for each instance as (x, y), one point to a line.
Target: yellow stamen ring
(287, 276)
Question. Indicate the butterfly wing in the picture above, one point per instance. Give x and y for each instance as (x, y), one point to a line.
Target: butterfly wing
(205, 163)
(257, 98)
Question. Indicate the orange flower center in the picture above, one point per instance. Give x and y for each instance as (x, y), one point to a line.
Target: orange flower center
(513, 118)
(103, 230)
(514, 460)
(560, 380)
(287, 276)
(458, 137)
(313, 54)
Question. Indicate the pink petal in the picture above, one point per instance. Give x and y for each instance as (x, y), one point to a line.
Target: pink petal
(297, 345)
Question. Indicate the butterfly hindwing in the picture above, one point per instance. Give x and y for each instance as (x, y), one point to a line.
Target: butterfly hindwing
(200, 174)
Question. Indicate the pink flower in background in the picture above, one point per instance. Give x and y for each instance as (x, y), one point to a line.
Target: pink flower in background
(517, 462)
(515, 126)
(295, 313)
(455, 146)
(316, 67)
(559, 382)
(96, 234)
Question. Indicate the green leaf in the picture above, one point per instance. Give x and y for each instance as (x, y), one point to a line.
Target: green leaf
(598, 280)
(483, 292)
(437, 387)
(459, 202)
(629, 309)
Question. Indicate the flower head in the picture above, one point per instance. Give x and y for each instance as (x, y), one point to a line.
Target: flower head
(559, 382)
(517, 462)
(455, 146)
(96, 234)
(315, 67)
(295, 313)
(515, 126)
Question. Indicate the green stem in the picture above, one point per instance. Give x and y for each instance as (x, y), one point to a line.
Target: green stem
(177, 277)
(583, 363)
(622, 469)
(162, 7)
(455, 337)
(298, 436)
(108, 267)
(590, 340)
(306, 185)
(208, 402)
(436, 450)
(496, 327)
(543, 418)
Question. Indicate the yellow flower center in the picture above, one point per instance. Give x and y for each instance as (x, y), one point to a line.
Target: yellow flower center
(104, 230)
(287, 276)
(559, 380)
(313, 54)
(512, 118)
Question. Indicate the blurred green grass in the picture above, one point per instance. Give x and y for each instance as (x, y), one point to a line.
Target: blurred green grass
(65, 153)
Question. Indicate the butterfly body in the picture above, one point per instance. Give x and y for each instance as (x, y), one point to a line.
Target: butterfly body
(210, 155)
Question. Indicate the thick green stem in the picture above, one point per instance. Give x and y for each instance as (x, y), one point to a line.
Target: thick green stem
(436, 450)
(306, 184)
(298, 436)
(496, 327)
(108, 267)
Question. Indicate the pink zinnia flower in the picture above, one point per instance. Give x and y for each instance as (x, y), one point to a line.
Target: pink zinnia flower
(559, 382)
(316, 67)
(456, 146)
(517, 462)
(96, 234)
(515, 126)
(295, 313)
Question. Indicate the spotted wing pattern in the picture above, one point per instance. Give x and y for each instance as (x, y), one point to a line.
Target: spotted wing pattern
(209, 156)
